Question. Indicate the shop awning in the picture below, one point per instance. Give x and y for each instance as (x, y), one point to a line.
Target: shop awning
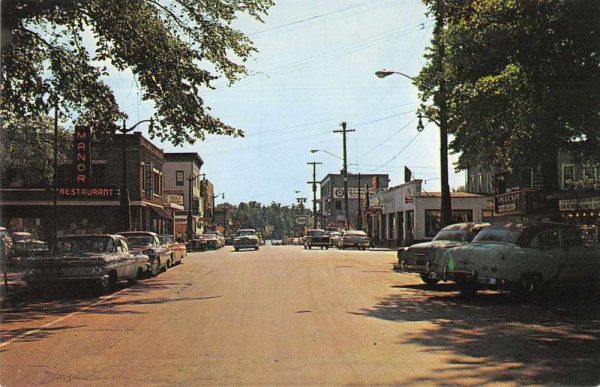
(161, 213)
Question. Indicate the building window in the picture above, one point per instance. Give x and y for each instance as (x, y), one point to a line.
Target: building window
(568, 175)
(156, 184)
(433, 220)
(338, 205)
(179, 178)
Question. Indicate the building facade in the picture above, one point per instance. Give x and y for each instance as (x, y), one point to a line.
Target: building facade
(405, 214)
(183, 182)
(332, 211)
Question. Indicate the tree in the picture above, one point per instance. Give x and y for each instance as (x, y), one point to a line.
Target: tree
(27, 151)
(173, 49)
(523, 81)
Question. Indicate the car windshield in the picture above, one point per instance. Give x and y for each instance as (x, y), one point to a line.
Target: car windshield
(165, 239)
(139, 240)
(455, 236)
(316, 233)
(88, 244)
(209, 236)
(245, 232)
(21, 237)
(500, 235)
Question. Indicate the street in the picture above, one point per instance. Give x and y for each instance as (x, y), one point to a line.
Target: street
(285, 315)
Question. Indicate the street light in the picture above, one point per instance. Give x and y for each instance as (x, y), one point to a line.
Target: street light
(222, 195)
(324, 151)
(446, 203)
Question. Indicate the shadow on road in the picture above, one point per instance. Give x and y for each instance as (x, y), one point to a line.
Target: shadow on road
(555, 340)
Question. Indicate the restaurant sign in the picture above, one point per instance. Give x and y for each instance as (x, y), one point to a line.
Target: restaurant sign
(338, 192)
(88, 193)
(522, 201)
(82, 160)
(149, 180)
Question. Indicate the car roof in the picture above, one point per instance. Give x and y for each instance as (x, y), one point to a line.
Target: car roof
(126, 233)
(21, 233)
(89, 235)
(316, 229)
(246, 229)
(465, 226)
(532, 226)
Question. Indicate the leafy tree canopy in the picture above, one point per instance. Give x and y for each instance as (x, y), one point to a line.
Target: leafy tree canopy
(173, 48)
(523, 80)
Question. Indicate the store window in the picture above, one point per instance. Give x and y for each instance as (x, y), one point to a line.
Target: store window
(338, 205)
(433, 220)
(179, 178)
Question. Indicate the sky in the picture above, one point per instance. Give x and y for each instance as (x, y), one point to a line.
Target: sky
(315, 69)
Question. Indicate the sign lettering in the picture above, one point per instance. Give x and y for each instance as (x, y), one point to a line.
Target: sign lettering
(82, 160)
(149, 180)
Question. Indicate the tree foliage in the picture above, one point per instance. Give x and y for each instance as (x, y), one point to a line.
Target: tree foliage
(523, 81)
(174, 49)
(27, 151)
(273, 221)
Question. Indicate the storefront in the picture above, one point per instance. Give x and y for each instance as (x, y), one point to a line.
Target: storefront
(583, 210)
(404, 214)
(521, 205)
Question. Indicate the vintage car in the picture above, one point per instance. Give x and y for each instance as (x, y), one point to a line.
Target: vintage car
(245, 239)
(179, 250)
(213, 241)
(197, 243)
(101, 260)
(419, 258)
(7, 245)
(160, 256)
(522, 258)
(317, 238)
(354, 238)
(336, 238)
(25, 245)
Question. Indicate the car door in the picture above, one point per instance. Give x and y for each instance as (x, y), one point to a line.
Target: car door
(582, 261)
(549, 248)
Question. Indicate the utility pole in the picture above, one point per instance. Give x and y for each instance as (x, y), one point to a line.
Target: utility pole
(446, 204)
(359, 220)
(55, 177)
(345, 169)
(314, 189)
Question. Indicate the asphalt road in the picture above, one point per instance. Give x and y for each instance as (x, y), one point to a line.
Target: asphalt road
(284, 315)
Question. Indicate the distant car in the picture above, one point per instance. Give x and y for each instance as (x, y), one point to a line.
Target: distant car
(522, 258)
(419, 258)
(160, 256)
(179, 250)
(336, 238)
(197, 243)
(25, 245)
(99, 260)
(213, 241)
(245, 239)
(354, 239)
(276, 242)
(229, 241)
(318, 238)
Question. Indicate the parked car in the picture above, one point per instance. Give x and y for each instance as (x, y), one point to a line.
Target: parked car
(336, 238)
(521, 258)
(245, 239)
(179, 250)
(318, 238)
(419, 258)
(356, 239)
(25, 245)
(7, 245)
(197, 243)
(160, 256)
(100, 260)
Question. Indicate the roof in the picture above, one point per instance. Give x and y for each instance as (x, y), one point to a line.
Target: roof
(452, 195)
(465, 226)
(125, 233)
(533, 226)
(184, 156)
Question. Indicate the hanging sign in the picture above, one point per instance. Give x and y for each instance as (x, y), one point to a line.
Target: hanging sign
(149, 179)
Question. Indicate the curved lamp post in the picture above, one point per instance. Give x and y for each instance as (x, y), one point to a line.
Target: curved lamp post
(446, 203)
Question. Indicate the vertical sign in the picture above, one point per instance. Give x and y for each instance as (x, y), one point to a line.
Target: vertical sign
(82, 161)
(149, 180)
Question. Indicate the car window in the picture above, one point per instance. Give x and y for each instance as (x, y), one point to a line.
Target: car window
(500, 235)
(119, 246)
(454, 235)
(548, 239)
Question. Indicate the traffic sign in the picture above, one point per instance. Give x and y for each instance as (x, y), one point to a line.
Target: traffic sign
(302, 219)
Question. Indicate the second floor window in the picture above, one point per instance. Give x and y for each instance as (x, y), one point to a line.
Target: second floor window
(179, 178)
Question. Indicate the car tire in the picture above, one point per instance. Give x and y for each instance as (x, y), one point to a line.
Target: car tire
(106, 284)
(256, 248)
(134, 280)
(431, 282)
(237, 248)
(310, 247)
(467, 289)
(527, 287)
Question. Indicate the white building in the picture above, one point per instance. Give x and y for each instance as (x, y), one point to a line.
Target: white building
(405, 214)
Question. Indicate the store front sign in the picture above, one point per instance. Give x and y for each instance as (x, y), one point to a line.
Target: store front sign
(338, 192)
(149, 179)
(82, 160)
(519, 201)
(589, 203)
(88, 193)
